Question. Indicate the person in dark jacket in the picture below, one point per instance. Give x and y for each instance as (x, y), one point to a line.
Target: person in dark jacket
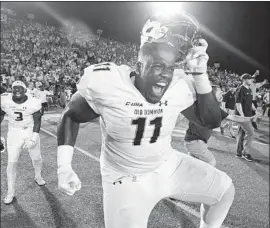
(197, 137)
(245, 107)
(229, 100)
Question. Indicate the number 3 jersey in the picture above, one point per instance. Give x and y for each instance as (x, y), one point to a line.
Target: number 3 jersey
(19, 115)
(136, 135)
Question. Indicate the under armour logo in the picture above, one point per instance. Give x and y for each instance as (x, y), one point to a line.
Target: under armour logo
(164, 103)
(119, 182)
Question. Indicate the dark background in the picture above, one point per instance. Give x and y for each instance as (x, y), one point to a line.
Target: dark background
(240, 38)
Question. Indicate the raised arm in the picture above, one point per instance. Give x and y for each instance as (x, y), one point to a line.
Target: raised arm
(205, 112)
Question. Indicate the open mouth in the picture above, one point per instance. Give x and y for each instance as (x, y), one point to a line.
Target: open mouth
(159, 88)
(17, 94)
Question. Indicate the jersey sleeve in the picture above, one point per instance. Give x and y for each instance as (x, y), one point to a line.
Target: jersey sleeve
(4, 101)
(96, 85)
(188, 92)
(86, 87)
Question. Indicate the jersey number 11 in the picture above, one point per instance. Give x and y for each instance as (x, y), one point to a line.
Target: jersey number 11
(140, 122)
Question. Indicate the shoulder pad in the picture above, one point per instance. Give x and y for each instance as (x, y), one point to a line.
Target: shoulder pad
(4, 94)
(98, 80)
(105, 67)
(5, 99)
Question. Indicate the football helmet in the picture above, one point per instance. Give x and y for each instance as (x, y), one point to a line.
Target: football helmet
(179, 31)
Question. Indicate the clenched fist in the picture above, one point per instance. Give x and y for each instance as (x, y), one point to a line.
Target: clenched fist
(197, 58)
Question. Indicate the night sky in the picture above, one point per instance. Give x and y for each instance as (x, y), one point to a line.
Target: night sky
(244, 26)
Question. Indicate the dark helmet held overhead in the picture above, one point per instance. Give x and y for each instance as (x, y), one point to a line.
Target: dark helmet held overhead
(180, 31)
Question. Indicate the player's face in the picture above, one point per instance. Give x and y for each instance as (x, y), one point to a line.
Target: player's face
(18, 92)
(31, 85)
(156, 72)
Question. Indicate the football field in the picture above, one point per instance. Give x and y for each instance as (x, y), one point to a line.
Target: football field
(46, 207)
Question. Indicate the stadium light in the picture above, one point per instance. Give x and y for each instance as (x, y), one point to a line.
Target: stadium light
(167, 9)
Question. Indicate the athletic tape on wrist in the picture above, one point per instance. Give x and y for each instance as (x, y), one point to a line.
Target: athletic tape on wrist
(202, 84)
(35, 136)
(64, 155)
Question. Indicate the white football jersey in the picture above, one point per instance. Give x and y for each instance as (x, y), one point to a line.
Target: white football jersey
(136, 135)
(32, 92)
(19, 115)
(42, 95)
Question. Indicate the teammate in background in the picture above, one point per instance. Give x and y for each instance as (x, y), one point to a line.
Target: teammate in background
(42, 94)
(31, 90)
(24, 120)
(138, 165)
(2, 140)
(197, 137)
(229, 102)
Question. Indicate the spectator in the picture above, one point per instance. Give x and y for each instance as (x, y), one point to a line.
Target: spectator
(229, 101)
(244, 107)
(62, 97)
(254, 86)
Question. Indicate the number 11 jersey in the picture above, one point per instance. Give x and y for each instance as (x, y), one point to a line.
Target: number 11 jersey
(136, 135)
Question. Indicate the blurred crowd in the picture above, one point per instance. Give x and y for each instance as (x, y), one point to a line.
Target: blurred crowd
(54, 58)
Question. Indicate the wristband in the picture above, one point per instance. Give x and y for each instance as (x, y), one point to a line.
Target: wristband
(202, 84)
(64, 155)
(35, 136)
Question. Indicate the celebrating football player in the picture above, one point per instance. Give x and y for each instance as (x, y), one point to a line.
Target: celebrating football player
(31, 90)
(138, 114)
(23, 132)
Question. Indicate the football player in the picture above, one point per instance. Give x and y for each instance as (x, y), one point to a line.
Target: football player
(2, 140)
(31, 90)
(138, 114)
(24, 118)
